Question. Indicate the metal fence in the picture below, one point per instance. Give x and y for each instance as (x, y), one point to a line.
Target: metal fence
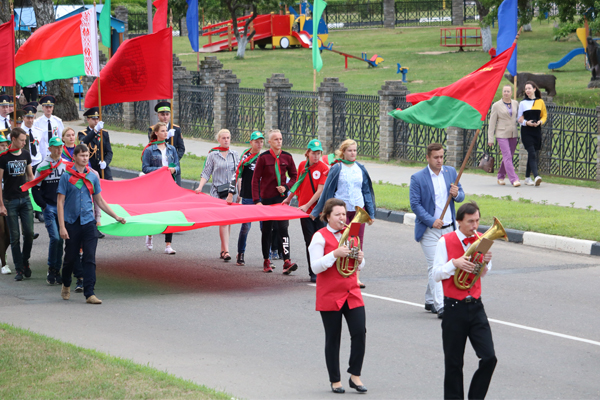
(354, 15)
(470, 11)
(356, 117)
(411, 140)
(196, 111)
(245, 112)
(113, 115)
(297, 117)
(137, 24)
(423, 13)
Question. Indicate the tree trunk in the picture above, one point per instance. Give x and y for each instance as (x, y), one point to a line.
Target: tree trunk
(486, 38)
(527, 28)
(61, 89)
(4, 12)
(241, 48)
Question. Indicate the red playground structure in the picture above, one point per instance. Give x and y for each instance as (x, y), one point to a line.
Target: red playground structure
(463, 37)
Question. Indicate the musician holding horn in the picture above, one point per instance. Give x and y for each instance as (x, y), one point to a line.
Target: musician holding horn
(338, 293)
(464, 315)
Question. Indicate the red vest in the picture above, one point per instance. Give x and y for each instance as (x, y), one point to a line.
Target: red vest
(333, 290)
(455, 250)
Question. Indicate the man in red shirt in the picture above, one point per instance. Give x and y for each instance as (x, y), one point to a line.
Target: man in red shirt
(269, 187)
(312, 175)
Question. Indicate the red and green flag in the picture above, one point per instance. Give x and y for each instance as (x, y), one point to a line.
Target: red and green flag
(60, 50)
(463, 104)
(318, 8)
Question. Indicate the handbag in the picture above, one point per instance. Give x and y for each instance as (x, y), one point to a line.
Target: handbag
(226, 188)
(487, 163)
(22, 100)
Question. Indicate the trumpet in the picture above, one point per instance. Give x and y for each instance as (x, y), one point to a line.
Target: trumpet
(347, 266)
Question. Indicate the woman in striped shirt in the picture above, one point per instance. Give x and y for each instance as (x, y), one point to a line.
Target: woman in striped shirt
(221, 164)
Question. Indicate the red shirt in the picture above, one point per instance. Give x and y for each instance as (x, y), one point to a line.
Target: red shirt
(264, 180)
(305, 192)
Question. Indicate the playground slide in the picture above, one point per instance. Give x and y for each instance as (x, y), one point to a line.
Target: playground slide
(304, 38)
(563, 61)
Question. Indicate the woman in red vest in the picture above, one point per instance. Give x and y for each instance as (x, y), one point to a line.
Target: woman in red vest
(338, 296)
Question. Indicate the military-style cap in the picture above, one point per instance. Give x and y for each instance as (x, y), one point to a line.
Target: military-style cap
(20, 114)
(29, 111)
(6, 100)
(34, 104)
(92, 113)
(163, 106)
(257, 135)
(47, 100)
(315, 145)
(55, 142)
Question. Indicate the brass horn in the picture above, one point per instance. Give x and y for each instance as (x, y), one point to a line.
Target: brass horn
(347, 266)
(464, 280)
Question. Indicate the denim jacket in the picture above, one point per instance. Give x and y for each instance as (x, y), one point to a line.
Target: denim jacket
(152, 159)
(331, 187)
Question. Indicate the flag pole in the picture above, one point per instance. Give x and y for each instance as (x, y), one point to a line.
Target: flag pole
(100, 109)
(172, 127)
(466, 159)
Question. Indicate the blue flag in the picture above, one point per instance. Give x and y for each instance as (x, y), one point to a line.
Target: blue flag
(507, 31)
(191, 19)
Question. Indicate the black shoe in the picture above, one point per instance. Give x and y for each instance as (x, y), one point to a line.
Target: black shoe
(39, 216)
(51, 277)
(440, 313)
(359, 388)
(431, 307)
(58, 277)
(36, 235)
(27, 271)
(100, 235)
(79, 285)
(240, 259)
(313, 278)
(337, 390)
(18, 276)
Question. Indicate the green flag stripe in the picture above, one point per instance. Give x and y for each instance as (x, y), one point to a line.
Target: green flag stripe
(104, 24)
(441, 112)
(47, 70)
(318, 7)
(143, 224)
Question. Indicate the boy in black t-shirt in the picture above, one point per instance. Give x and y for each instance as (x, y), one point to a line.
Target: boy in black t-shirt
(15, 169)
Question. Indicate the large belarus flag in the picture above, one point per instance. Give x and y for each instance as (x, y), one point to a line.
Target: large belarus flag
(463, 104)
(60, 50)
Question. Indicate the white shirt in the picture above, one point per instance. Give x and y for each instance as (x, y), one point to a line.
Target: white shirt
(165, 160)
(5, 121)
(444, 268)
(441, 195)
(55, 122)
(41, 146)
(320, 262)
(349, 187)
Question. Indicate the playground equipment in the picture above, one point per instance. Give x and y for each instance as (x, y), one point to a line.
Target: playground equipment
(404, 71)
(463, 37)
(278, 30)
(373, 61)
(582, 36)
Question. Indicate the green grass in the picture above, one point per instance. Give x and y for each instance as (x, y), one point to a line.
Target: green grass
(34, 366)
(402, 45)
(521, 214)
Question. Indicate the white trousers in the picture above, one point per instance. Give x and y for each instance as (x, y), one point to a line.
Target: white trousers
(435, 292)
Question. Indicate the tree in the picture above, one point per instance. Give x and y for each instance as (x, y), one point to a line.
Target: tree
(61, 89)
(488, 12)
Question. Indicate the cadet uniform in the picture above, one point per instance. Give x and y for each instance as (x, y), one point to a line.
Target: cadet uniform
(53, 125)
(91, 139)
(5, 101)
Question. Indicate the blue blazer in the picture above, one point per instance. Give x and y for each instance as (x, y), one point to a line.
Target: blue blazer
(422, 198)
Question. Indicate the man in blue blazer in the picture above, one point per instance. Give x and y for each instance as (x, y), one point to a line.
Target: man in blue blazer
(429, 189)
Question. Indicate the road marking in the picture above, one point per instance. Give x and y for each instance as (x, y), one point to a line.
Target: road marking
(527, 328)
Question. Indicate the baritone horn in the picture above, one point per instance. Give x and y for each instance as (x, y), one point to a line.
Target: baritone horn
(465, 280)
(347, 266)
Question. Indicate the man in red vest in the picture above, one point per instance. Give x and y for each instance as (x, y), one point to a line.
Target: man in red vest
(464, 315)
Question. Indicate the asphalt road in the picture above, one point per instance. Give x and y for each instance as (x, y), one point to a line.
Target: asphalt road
(257, 335)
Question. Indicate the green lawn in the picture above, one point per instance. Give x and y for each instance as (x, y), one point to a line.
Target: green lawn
(34, 366)
(402, 45)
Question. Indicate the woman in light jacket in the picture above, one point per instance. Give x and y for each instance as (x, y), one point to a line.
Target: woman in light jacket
(503, 125)
(348, 180)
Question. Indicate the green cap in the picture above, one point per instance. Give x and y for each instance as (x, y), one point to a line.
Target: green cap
(3, 138)
(257, 135)
(55, 142)
(315, 145)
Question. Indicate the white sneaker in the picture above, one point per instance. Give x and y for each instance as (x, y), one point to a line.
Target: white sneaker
(149, 242)
(6, 270)
(538, 180)
(169, 250)
(529, 182)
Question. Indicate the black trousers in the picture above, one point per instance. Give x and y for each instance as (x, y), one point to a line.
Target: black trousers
(31, 94)
(309, 227)
(461, 321)
(332, 321)
(533, 156)
(282, 231)
(81, 237)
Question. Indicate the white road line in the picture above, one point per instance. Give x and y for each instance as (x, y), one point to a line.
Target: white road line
(527, 328)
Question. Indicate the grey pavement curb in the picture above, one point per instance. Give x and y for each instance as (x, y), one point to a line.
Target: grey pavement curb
(534, 239)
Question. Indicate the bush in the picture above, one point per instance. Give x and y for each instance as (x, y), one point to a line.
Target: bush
(565, 29)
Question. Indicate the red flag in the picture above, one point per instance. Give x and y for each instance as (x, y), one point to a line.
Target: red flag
(160, 16)
(7, 53)
(142, 69)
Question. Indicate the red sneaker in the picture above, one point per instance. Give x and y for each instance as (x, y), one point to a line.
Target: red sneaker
(289, 267)
(267, 266)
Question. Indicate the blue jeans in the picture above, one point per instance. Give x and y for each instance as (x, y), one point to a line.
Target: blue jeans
(55, 249)
(245, 229)
(20, 209)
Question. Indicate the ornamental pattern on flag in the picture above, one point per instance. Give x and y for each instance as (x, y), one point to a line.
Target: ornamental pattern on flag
(89, 41)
